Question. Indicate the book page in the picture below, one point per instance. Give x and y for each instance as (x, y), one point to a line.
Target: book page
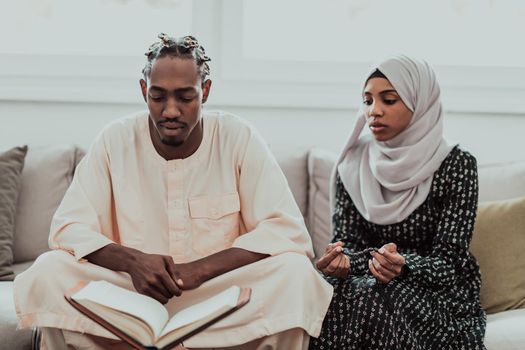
(140, 306)
(225, 300)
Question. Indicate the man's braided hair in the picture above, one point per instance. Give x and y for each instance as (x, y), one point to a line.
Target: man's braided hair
(185, 47)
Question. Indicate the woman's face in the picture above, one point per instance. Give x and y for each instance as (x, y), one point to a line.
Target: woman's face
(386, 114)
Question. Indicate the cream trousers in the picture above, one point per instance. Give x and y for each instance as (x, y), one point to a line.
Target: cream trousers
(287, 294)
(57, 339)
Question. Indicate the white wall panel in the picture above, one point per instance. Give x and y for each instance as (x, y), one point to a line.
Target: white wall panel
(54, 88)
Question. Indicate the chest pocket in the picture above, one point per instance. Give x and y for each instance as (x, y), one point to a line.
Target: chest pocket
(214, 222)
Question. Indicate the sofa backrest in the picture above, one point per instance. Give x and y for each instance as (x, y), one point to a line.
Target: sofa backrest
(320, 166)
(294, 166)
(496, 182)
(48, 172)
(46, 176)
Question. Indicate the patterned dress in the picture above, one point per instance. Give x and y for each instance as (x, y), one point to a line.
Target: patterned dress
(435, 304)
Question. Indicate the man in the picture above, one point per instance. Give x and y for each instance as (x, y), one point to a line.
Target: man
(179, 204)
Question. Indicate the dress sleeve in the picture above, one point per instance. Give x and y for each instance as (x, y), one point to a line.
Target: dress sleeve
(454, 229)
(82, 223)
(272, 219)
(348, 228)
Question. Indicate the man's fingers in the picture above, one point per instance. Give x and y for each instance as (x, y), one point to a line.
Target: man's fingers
(159, 283)
(173, 283)
(156, 295)
(170, 285)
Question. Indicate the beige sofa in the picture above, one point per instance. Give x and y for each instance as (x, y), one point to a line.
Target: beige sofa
(49, 170)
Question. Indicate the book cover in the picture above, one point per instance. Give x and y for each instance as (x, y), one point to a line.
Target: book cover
(143, 322)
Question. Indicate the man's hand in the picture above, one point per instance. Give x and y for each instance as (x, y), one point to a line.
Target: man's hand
(155, 276)
(189, 275)
(160, 278)
(151, 274)
(334, 263)
(386, 264)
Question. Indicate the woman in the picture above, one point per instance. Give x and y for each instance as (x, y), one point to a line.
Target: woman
(404, 205)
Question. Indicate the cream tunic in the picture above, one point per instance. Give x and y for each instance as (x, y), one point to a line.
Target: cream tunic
(229, 193)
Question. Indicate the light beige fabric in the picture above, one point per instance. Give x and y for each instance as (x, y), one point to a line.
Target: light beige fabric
(45, 178)
(498, 244)
(293, 163)
(56, 339)
(231, 184)
(230, 192)
(499, 181)
(286, 293)
(320, 166)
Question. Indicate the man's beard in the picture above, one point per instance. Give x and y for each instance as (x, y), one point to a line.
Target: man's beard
(170, 142)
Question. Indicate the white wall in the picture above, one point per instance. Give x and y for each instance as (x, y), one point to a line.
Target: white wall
(62, 79)
(492, 138)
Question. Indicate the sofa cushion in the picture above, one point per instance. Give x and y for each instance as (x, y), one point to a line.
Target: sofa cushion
(498, 244)
(320, 165)
(10, 336)
(11, 165)
(505, 330)
(45, 179)
(293, 165)
(501, 181)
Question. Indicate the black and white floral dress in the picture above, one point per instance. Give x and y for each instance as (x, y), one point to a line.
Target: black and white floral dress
(435, 304)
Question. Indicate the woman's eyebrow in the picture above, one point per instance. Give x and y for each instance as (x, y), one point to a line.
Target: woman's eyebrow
(381, 92)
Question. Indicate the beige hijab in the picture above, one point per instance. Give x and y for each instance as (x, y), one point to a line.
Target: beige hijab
(388, 180)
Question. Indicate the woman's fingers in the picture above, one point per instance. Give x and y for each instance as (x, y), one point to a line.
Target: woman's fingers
(345, 268)
(341, 271)
(334, 264)
(376, 273)
(385, 272)
(338, 267)
(385, 263)
(391, 247)
(394, 257)
(331, 246)
(327, 258)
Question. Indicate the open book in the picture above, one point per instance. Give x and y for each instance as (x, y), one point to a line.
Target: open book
(142, 321)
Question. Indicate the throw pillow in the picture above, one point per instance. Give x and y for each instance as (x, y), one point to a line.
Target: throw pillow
(293, 165)
(320, 166)
(498, 245)
(11, 165)
(48, 171)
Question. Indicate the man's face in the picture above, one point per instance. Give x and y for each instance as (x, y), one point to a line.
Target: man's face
(174, 94)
